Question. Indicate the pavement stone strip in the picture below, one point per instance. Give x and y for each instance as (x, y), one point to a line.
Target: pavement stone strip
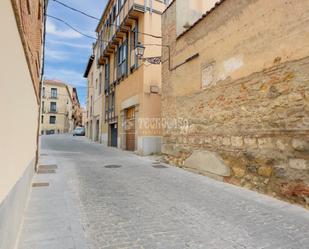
(139, 206)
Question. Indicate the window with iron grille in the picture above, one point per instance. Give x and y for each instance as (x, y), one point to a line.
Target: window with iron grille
(53, 93)
(100, 83)
(107, 75)
(52, 119)
(133, 44)
(122, 59)
(53, 107)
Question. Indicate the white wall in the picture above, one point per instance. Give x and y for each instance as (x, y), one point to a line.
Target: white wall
(188, 12)
(18, 105)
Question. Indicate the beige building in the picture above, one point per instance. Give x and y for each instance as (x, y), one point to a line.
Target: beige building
(95, 101)
(128, 89)
(22, 29)
(60, 109)
(77, 113)
(238, 89)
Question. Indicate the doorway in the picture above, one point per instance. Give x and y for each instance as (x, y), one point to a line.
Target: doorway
(130, 129)
(114, 136)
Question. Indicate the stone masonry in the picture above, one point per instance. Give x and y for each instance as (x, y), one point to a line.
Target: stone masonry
(251, 119)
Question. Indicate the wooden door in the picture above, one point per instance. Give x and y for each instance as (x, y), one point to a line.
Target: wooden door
(130, 129)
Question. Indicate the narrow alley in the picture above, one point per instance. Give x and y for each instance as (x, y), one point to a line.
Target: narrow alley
(101, 197)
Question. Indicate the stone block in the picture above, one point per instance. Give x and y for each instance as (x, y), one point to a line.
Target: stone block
(281, 145)
(170, 149)
(265, 171)
(295, 97)
(250, 142)
(300, 144)
(265, 143)
(237, 142)
(279, 171)
(208, 162)
(300, 164)
(239, 172)
(226, 141)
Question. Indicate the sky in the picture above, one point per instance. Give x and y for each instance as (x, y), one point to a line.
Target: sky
(66, 51)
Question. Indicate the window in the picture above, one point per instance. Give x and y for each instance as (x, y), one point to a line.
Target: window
(43, 107)
(106, 105)
(120, 3)
(53, 93)
(107, 75)
(42, 119)
(43, 92)
(100, 83)
(133, 44)
(122, 60)
(114, 13)
(53, 107)
(52, 119)
(96, 84)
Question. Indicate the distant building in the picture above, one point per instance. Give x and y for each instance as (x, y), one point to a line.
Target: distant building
(60, 109)
(96, 130)
(22, 32)
(123, 90)
(236, 96)
(77, 110)
(84, 116)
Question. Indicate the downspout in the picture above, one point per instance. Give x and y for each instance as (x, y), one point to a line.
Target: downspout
(45, 3)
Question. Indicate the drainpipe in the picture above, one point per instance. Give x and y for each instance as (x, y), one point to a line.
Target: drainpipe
(150, 6)
(145, 6)
(45, 3)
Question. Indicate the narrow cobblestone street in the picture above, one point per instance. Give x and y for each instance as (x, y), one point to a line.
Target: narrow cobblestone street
(137, 205)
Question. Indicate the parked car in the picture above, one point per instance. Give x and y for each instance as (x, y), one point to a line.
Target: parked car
(79, 131)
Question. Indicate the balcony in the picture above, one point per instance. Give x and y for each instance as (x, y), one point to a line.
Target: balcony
(110, 116)
(112, 35)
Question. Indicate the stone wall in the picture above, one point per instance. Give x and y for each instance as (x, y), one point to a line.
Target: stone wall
(243, 100)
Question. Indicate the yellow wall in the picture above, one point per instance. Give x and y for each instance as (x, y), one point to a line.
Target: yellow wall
(238, 51)
(64, 109)
(18, 104)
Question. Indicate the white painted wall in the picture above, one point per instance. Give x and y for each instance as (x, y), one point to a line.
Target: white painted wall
(188, 12)
(18, 105)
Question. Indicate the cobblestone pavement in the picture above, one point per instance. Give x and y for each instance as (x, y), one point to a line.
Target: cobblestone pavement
(140, 206)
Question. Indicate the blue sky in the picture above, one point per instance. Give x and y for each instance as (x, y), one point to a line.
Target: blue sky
(67, 52)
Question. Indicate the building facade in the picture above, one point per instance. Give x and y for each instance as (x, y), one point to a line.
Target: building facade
(60, 109)
(130, 87)
(238, 90)
(77, 114)
(96, 130)
(22, 25)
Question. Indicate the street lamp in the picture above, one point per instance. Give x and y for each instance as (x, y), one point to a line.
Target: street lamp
(139, 50)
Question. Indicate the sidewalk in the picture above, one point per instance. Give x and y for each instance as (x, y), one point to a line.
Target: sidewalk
(52, 218)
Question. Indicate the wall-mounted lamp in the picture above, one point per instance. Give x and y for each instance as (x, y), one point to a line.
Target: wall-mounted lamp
(140, 50)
